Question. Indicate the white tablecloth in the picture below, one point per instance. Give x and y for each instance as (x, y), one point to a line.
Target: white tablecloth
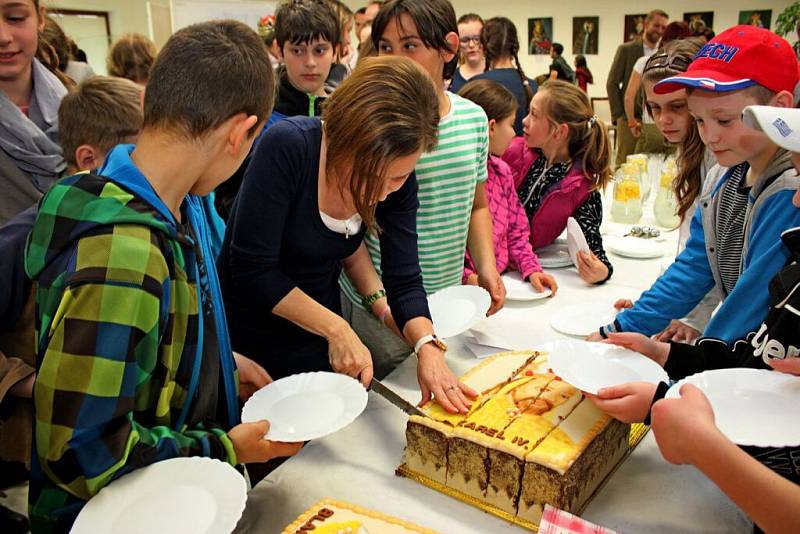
(357, 463)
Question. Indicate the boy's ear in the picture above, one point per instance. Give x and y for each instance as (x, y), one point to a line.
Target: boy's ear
(492, 123)
(88, 158)
(240, 132)
(784, 99)
(452, 43)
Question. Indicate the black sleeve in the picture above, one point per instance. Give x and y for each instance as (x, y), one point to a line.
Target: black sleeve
(15, 283)
(590, 217)
(269, 189)
(707, 354)
(402, 276)
(661, 392)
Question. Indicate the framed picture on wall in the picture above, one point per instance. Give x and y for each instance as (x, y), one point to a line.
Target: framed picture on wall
(634, 26)
(540, 35)
(699, 21)
(584, 35)
(760, 18)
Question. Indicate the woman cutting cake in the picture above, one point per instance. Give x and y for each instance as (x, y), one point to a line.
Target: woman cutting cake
(313, 190)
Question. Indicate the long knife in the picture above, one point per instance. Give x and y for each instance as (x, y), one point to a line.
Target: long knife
(395, 399)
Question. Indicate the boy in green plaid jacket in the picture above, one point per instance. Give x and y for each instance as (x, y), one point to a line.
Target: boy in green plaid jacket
(134, 364)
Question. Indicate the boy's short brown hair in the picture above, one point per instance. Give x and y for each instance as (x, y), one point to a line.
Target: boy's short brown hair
(101, 112)
(205, 74)
(302, 21)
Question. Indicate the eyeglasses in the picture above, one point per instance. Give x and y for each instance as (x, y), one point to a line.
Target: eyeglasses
(470, 39)
(674, 62)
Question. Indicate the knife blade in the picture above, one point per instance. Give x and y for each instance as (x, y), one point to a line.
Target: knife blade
(378, 387)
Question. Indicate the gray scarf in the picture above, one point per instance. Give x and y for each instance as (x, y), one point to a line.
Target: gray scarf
(33, 142)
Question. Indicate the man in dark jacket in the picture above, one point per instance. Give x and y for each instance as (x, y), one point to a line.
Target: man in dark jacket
(620, 73)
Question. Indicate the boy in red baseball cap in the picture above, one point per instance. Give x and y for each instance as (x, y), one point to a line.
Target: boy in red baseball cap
(764, 482)
(735, 246)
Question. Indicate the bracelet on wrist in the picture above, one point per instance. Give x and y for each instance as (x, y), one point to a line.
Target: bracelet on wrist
(372, 298)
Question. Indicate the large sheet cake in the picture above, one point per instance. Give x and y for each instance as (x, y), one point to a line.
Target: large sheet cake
(530, 439)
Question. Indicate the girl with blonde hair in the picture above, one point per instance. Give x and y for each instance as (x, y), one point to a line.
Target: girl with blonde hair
(560, 164)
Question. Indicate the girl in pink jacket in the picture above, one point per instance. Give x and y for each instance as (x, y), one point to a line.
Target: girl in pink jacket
(559, 166)
(512, 243)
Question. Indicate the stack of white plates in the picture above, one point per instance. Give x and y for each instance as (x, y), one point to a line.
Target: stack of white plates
(554, 255)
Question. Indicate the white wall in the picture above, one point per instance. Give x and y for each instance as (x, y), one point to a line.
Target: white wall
(131, 16)
(612, 14)
(125, 16)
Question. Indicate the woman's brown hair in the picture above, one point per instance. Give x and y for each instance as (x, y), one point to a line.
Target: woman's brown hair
(497, 101)
(499, 39)
(132, 57)
(386, 109)
(671, 59)
(587, 142)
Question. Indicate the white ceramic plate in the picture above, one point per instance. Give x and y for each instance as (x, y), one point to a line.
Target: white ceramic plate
(555, 255)
(582, 319)
(576, 240)
(178, 495)
(591, 366)
(456, 309)
(754, 407)
(519, 289)
(635, 247)
(307, 405)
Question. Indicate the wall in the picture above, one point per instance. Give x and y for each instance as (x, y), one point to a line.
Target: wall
(611, 13)
(126, 16)
(131, 16)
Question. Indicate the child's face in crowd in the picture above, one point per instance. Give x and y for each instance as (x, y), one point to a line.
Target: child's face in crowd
(19, 26)
(471, 51)
(308, 65)
(670, 112)
(718, 118)
(400, 38)
(501, 133)
(537, 126)
(397, 173)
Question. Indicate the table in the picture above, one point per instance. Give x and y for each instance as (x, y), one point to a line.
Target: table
(357, 463)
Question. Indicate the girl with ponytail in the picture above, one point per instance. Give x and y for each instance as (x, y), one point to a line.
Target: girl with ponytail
(560, 164)
(501, 46)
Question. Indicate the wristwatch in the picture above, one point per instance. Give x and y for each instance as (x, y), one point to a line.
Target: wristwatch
(430, 338)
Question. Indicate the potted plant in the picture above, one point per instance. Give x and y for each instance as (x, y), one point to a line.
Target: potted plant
(789, 21)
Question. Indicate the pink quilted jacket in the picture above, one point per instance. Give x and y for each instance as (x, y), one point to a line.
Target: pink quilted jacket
(560, 202)
(512, 247)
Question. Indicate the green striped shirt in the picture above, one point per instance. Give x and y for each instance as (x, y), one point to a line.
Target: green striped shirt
(447, 177)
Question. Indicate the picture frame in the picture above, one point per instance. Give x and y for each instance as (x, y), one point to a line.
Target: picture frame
(585, 31)
(540, 35)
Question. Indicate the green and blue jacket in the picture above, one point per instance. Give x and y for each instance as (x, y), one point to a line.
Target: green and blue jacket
(134, 364)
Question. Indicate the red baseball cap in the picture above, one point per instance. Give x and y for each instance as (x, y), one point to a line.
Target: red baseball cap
(737, 58)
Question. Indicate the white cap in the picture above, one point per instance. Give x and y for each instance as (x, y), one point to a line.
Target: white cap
(782, 125)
